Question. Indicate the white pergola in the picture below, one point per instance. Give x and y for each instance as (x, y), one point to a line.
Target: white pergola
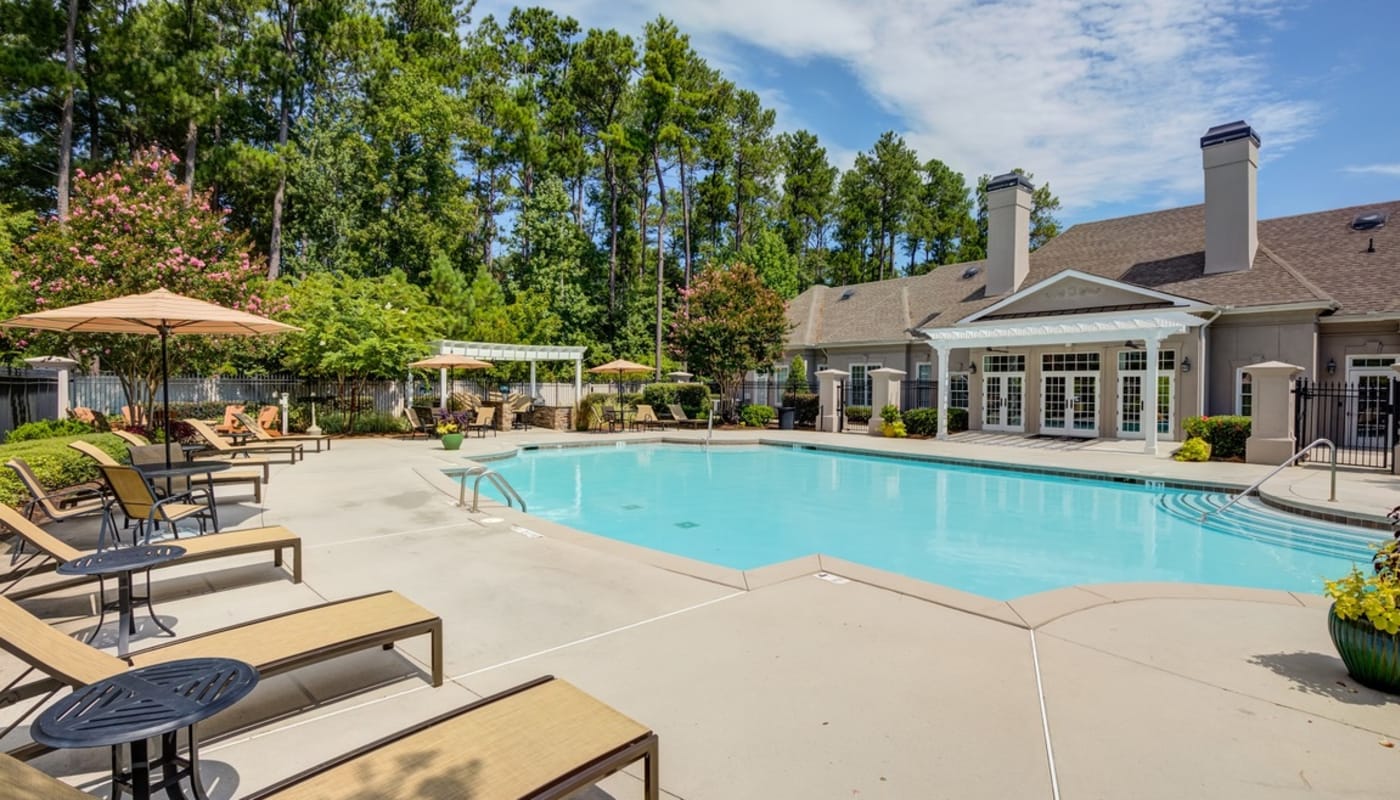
(1150, 328)
(532, 353)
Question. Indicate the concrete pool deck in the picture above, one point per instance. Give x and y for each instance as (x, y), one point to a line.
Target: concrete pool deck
(791, 686)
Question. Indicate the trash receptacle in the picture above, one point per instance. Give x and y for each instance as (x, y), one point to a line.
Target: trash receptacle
(787, 415)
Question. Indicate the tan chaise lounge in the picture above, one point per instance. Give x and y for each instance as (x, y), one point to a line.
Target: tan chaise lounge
(273, 644)
(544, 739)
(244, 460)
(678, 415)
(262, 435)
(155, 454)
(60, 504)
(50, 551)
(220, 445)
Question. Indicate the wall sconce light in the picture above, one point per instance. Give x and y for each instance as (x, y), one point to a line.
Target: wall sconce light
(1186, 364)
(972, 368)
(1331, 366)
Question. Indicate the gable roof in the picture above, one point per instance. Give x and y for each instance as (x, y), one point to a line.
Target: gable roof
(1306, 259)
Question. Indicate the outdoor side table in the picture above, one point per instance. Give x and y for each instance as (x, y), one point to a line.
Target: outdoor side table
(130, 708)
(122, 563)
(188, 470)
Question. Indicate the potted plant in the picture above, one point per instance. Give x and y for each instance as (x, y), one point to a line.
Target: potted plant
(1364, 620)
(450, 433)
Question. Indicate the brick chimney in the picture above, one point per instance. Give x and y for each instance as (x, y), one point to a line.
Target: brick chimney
(1230, 154)
(1008, 233)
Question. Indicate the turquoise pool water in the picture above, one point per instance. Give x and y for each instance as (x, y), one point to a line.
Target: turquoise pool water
(996, 533)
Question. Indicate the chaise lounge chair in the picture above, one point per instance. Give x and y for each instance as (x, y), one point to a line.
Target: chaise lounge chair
(542, 739)
(59, 504)
(136, 440)
(221, 446)
(50, 551)
(261, 434)
(272, 645)
(229, 423)
(681, 420)
(155, 454)
(646, 418)
(416, 424)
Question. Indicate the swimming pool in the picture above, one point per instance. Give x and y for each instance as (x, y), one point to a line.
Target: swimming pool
(996, 533)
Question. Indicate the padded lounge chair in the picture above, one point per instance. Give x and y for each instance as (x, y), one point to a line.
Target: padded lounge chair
(59, 504)
(221, 446)
(543, 739)
(678, 415)
(273, 644)
(261, 434)
(50, 551)
(646, 418)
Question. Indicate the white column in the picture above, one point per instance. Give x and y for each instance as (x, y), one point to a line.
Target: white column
(1149, 399)
(942, 352)
(533, 390)
(578, 380)
(442, 387)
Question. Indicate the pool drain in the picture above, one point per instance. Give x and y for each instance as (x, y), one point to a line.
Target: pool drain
(687, 524)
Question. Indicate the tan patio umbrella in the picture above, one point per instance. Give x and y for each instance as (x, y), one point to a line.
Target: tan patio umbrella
(446, 361)
(619, 367)
(159, 313)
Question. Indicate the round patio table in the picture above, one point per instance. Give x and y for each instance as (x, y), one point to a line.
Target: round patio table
(121, 564)
(130, 708)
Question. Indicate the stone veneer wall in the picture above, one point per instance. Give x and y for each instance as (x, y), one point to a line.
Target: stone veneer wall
(559, 418)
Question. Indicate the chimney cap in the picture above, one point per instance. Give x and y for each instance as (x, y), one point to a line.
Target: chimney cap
(1229, 132)
(1008, 180)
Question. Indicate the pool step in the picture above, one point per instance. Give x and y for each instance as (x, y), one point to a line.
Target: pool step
(1251, 519)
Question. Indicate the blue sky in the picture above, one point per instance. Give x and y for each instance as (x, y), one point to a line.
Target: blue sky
(1106, 100)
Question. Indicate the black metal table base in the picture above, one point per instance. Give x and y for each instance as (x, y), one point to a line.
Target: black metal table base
(173, 767)
(125, 600)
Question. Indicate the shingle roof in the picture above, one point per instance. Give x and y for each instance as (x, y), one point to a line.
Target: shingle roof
(1306, 258)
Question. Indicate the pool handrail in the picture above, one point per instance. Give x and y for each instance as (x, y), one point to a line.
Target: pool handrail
(1254, 487)
(497, 479)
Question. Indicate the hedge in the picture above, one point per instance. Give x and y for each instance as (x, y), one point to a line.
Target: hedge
(48, 428)
(54, 463)
(858, 414)
(807, 407)
(692, 397)
(924, 421)
(1226, 435)
(757, 415)
(365, 422)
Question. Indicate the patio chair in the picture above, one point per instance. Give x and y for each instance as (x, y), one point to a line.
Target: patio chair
(90, 417)
(50, 551)
(155, 454)
(681, 420)
(139, 501)
(646, 418)
(230, 424)
(58, 504)
(416, 425)
(545, 738)
(485, 420)
(261, 434)
(220, 445)
(244, 460)
(520, 405)
(273, 645)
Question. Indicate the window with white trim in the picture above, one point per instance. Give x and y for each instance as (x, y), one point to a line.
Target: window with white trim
(1136, 361)
(923, 371)
(957, 390)
(1003, 363)
(1244, 394)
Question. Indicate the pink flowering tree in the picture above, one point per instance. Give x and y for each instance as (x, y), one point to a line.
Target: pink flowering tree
(728, 324)
(133, 229)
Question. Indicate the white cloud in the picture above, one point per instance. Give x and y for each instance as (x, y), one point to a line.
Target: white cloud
(1105, 99)
(1388, 170)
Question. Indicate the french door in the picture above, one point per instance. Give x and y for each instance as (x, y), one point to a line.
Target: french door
(1069, 403)
(1132, 405)
(1003, 402)
(1372, 407)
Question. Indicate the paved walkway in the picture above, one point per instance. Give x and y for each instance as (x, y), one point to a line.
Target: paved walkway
(794, 686)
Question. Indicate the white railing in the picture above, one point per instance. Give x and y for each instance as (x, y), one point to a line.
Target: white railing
(1276, 470)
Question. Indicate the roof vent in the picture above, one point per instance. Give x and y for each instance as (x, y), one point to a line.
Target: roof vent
(1369, 221)
(848, 294)
(970, 272)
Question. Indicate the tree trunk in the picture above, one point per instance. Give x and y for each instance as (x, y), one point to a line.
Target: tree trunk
(660, 253)
(274, 254)
(191, 142)
(685, 219)
(611, 168)
(65, 125)
(642, 221)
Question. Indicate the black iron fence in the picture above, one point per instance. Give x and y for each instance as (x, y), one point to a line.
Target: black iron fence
(29, 395)
(1359, 417)
(913, 394)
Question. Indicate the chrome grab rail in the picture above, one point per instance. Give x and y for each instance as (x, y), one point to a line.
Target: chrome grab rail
(1276, 470)
(497, 479)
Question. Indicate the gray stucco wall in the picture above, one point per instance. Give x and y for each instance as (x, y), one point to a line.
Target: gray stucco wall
(1338, 341)
(1238, 340)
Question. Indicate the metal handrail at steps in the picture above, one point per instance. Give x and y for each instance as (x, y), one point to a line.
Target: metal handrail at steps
(497, 479)
(1254, 487)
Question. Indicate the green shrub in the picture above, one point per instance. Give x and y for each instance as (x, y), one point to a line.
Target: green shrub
(583, 412)
(797, 376)
(806, 406)
(1194, 449)
(693, 397)
(924, 421)
(858, 414)
(889, 414)
(757, 415)
(48, 428)
(54, 463)
(336, 422)
(1225, 434)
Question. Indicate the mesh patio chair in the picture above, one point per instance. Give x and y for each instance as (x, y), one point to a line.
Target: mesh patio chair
(485, 420)
(140, 503)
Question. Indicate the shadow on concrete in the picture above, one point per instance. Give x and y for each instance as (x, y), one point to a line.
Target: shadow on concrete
(1322, 675)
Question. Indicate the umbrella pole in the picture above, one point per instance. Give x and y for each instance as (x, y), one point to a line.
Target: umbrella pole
(165, 390)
